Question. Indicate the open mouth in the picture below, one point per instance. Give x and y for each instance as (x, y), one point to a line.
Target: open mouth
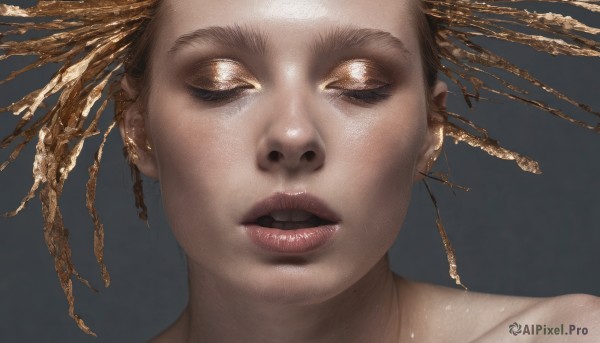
(291, 211)
(291, 220)
(291, 223)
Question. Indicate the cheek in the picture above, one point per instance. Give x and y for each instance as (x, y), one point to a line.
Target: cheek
(197, 156)
(389, 153)
(378, 164)
(384, 149)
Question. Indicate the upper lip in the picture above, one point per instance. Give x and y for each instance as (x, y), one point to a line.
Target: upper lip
(291, 201)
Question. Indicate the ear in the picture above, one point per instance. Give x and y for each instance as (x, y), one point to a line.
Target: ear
(133, 133)
(434, 140)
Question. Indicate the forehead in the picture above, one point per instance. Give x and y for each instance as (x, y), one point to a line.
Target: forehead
(289, 23)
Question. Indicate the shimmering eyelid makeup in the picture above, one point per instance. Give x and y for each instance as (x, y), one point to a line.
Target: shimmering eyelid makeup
(219, 79)
(221, 75)
(357, 74)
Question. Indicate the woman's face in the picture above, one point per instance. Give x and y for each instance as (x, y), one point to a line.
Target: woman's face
(253, 98)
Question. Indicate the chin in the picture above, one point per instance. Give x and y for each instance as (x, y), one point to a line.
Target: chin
(293, 283)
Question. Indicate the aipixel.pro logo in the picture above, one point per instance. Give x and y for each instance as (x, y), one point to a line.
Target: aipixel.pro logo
(546, 330)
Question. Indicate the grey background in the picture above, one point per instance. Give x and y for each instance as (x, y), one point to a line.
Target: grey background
(514, 233)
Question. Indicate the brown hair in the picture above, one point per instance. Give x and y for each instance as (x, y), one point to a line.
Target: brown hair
(137, 64)
(426, 31)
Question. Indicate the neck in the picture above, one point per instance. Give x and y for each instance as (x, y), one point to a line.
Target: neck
(369, 310)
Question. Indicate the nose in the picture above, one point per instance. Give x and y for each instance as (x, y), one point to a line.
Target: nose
(291, 141)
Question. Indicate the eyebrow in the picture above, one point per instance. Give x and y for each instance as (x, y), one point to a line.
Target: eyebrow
(245, 38)
(234, 37)
(348, 37)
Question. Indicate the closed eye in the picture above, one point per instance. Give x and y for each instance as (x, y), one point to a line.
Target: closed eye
(217, 96)
(367, 96)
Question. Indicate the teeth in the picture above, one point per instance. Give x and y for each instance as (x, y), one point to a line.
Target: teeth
(290, 215)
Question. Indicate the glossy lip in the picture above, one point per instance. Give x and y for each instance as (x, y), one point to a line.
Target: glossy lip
(291, 241)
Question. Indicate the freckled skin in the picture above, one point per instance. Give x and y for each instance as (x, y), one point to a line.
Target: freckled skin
(212, 161)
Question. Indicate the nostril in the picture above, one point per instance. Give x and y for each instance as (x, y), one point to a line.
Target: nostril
(309, 155)
(274, 156)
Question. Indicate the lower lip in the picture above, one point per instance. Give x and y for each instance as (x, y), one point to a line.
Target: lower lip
(291, 241)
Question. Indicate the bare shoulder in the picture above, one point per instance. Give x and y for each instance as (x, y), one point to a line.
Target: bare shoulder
(440, 313)
(572, 318)
(584, 308)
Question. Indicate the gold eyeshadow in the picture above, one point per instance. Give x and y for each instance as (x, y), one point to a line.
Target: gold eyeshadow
(357, 74)
(221, 75)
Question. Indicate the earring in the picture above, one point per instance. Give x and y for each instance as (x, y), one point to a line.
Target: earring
(430, 163)
(437, 149)
(131, 149)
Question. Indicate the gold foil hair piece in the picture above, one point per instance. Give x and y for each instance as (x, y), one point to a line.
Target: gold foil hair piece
(89, 41)
(466, 62)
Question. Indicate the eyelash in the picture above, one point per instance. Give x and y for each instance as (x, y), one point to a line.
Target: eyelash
(216, 96)
(366, 96)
